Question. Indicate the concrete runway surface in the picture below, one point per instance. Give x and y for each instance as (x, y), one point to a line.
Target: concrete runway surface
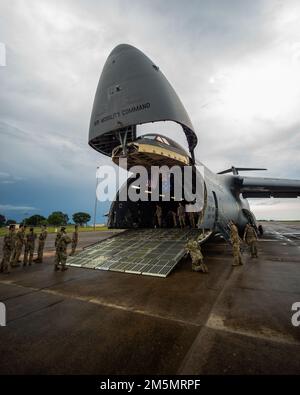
(231, 321)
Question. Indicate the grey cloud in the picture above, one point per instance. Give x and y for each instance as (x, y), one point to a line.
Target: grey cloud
(10, 207)
(7, 178)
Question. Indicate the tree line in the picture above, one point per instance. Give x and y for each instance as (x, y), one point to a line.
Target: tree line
(57, 218)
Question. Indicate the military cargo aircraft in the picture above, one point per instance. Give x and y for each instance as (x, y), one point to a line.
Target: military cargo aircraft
(133, 91)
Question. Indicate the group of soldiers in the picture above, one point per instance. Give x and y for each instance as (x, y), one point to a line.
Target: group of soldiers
(250, 238)
(175, 218)
(14, 243)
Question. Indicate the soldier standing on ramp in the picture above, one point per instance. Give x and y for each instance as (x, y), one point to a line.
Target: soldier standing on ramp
(193, 248)
(61, 250)
(191, 215)
(74, 240)
(181, 215)
(8, 246)
(171, 217)
(158, 214)
(174, 219)
(250, 237)
(19, 243)
(42, 239)
(235, 240)
(29, 247)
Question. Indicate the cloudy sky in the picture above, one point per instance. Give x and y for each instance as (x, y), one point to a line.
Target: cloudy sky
(234, 64)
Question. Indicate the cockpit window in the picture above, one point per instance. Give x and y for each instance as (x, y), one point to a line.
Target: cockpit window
(148, 136)
(162, 140)
(156, 137)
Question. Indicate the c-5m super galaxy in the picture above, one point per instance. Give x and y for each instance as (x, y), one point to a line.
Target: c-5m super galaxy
(133, 91)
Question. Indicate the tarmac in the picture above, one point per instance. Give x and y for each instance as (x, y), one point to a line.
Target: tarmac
(230, 321)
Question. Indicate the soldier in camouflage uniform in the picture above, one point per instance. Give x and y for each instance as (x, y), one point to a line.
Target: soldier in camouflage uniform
(8, 246)
(235, 241)
(29, 247)
(171, 219)
(74, 240)
(158, 215)
(19, 243)
(57, 238)
(181, 215)
(193, 248)
(191, 215)
(250, 237)
(42, 239)
(174, 218)
(61, 250)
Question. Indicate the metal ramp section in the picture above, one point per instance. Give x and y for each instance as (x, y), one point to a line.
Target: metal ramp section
(153, 252)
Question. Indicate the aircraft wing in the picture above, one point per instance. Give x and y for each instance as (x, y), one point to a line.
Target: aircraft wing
(261, 187)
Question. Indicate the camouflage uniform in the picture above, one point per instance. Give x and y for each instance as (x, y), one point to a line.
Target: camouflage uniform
(57, 238)
(42, 239)
(61, 250)
(235, 240)
(181, 216)
(74, 241)
(173, 214)
(8, 246)
(158, 214)
(191, 215)
(194, 249)
(250, 237)
(29, 247)
(18, 245)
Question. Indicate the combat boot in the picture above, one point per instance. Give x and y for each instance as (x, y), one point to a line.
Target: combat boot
(205, 268)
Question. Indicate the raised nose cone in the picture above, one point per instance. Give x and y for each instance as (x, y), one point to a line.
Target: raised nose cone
(132, 91)
(120, 48)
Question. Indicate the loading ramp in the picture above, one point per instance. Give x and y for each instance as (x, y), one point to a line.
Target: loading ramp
(152, 252)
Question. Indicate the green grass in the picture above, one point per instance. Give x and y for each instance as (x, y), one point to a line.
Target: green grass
(69, 229)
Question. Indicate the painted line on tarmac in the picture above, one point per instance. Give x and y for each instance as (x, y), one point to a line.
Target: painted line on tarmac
(102, 303)
(143, 312)
(217, 322)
